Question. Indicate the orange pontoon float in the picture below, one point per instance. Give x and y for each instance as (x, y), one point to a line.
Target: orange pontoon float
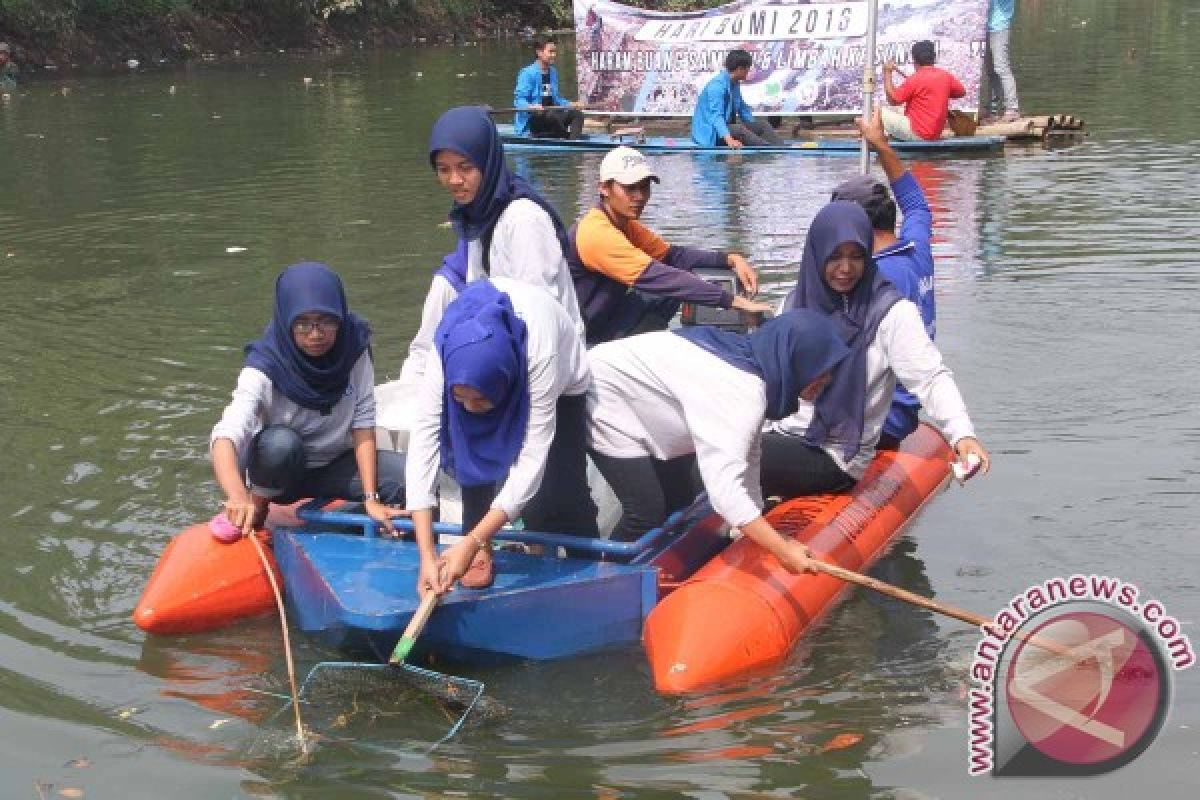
(744, 612)
(201, 584)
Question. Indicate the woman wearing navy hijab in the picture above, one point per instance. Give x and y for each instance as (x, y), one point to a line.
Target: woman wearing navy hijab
(666, 404)
(827, 446)
(302, 419)
(505, 228)
(501, 408)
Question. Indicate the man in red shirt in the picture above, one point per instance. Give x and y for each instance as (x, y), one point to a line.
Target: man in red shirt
(926, 96)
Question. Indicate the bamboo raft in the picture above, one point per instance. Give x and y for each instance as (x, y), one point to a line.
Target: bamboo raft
(1030, 128)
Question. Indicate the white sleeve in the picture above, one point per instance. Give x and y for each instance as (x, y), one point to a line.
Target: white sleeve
(525, 248)
(917, 363)
(525, 477)
(754, 476)
(424, 439)
(244, 415)
(362, 378)
(441, 294)
(728, 455)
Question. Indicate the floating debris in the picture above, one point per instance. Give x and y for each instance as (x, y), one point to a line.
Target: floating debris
(83, 762)
(235, 249)
(217, 723)
(841, 742)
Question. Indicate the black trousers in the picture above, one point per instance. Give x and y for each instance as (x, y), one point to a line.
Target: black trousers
(637, 312)
(277, 470)
(791, 467)
(755, 134)
(649, 490)
(563, 503)
(556, 123)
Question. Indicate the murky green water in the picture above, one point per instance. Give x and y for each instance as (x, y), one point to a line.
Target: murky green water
(1068, 287)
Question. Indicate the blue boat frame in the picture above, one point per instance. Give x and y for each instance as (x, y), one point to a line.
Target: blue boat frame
(356, 589)
(683, 144)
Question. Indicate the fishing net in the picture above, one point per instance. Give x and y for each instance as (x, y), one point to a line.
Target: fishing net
(356, 700)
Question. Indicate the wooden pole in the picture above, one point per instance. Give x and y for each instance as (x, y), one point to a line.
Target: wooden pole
(930, 604)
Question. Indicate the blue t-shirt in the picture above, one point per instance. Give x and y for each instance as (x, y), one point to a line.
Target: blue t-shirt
(908, 263)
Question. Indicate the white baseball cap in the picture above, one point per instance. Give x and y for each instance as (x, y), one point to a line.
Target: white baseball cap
(626, 166)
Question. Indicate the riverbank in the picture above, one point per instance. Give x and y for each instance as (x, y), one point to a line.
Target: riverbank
(100, 34)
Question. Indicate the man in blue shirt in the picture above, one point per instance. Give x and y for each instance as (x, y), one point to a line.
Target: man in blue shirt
(1002, 86)
(905, 260)
(550, 115)
(722, 116)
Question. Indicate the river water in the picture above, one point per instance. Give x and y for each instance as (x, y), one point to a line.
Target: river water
(143, 218)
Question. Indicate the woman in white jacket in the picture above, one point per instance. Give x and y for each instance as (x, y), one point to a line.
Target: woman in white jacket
(827, 445)
(501, 407)
(668, 404)
(302, 419)
(505, 228)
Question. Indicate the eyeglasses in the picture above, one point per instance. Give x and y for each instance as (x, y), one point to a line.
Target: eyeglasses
(305, 327)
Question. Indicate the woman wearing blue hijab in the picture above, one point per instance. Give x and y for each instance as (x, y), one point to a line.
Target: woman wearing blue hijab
(827, 446)
(302, 419)
(505, 228)
(501, 409)
(664, 405)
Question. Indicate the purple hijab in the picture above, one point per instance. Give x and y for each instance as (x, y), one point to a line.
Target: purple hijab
(469, 131)
(313, 383)
(788, 352)
(481, 342)
(838, 417)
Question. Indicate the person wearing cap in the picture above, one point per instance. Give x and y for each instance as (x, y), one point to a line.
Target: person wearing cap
(627, 278)
(925, 95)
(905, 259)
(549, 115)
(8, 69)
(722, 116)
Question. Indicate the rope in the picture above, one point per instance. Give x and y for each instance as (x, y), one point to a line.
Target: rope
(287, 643)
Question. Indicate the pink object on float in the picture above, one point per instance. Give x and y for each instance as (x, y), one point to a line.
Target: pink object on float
(223, 530)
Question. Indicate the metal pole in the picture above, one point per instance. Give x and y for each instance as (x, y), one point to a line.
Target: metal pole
(864, 162)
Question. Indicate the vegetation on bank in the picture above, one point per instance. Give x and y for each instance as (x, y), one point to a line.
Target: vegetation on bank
(109, 31)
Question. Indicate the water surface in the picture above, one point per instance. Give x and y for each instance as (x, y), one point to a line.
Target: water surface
(145, 216)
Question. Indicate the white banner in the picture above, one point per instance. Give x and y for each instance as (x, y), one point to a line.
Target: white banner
(808, 54)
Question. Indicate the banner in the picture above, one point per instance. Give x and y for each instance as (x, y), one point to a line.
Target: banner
(808, 54)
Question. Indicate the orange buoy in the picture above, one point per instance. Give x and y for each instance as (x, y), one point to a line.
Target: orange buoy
(200, 584)
(743, 611)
